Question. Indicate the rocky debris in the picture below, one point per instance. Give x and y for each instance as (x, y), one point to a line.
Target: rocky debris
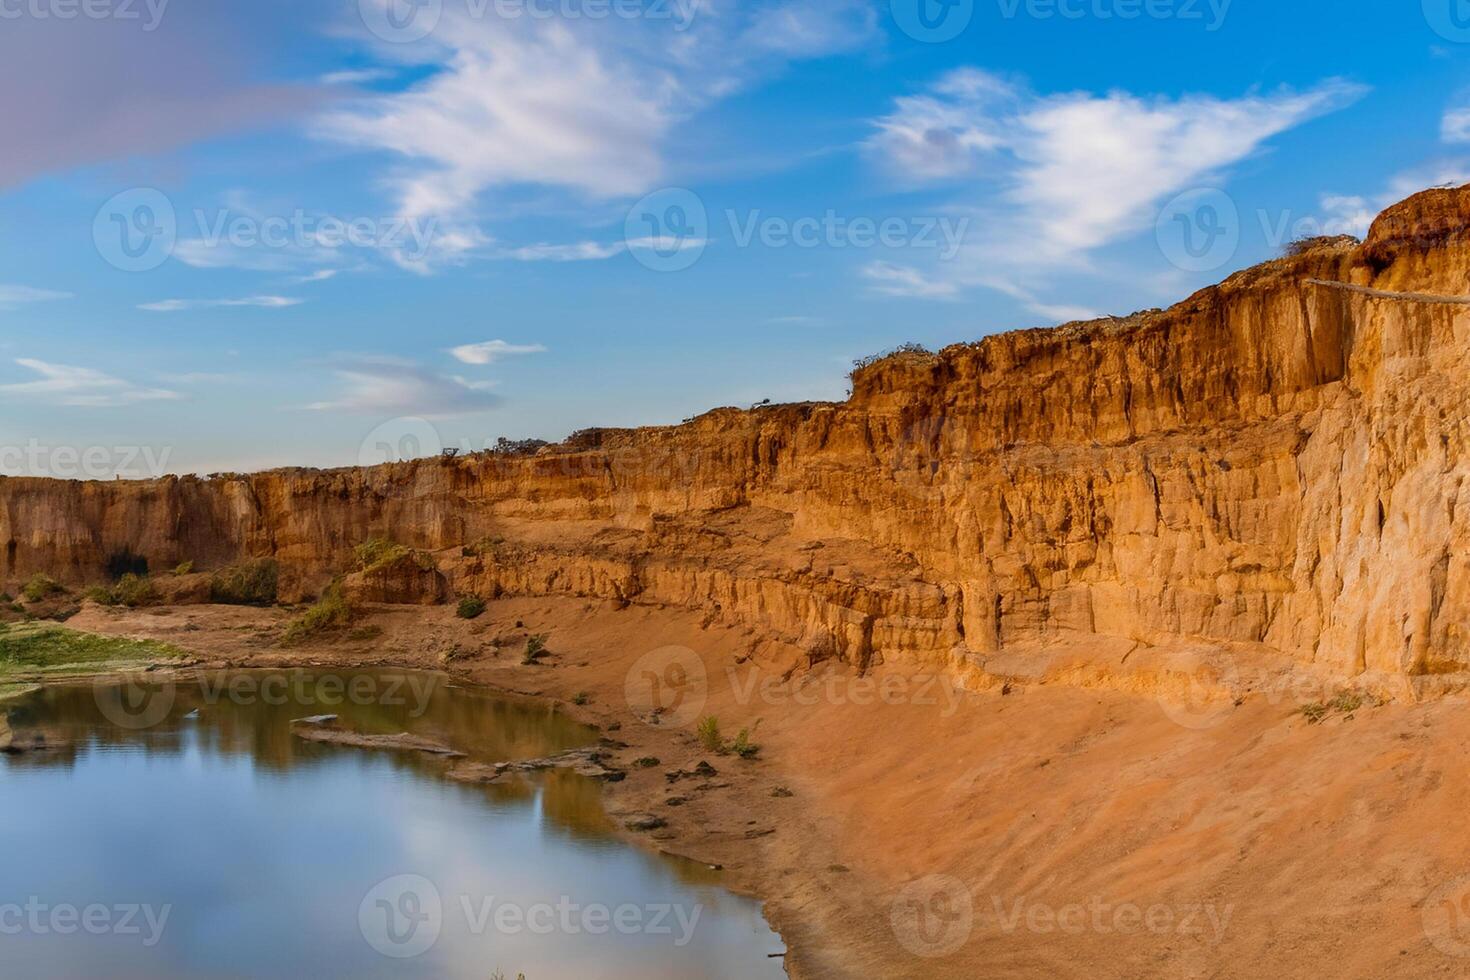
(587, 762)
(781, 792)
(317, 730)
(644, 822)
(702, 771)
(24, 741)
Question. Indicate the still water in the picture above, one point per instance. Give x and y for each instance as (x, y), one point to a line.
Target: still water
(181, 831)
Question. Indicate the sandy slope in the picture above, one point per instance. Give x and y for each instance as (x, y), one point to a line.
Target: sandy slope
(1048, 832)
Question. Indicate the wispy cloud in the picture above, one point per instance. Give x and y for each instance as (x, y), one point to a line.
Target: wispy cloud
(906, 281)
(1057, 177)
(395, 386)
(12, 295)
(491, 351)
(1080, 170)
(321, 275)
(179, 305)
(574, 252)
(584, 107)
(65, 384)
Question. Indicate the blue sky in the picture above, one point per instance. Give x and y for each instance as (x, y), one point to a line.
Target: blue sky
(242, 235)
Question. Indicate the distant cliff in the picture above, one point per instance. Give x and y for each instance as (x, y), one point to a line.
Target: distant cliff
(1279, 461)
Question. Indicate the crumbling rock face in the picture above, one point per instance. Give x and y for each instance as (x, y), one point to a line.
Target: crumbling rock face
(1277, 464)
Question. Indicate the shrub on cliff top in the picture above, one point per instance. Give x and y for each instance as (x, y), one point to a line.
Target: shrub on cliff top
(251, 583)
(901, 349)
(376, 553)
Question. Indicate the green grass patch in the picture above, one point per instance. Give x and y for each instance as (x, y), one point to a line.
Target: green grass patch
(331, 612)
(27, 648)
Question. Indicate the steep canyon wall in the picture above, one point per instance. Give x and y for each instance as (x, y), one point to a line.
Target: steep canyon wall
(1276, 463)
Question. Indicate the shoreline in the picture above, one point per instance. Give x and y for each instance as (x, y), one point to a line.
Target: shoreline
(1040, 798)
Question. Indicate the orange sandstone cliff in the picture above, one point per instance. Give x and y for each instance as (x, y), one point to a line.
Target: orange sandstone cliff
(1271, 472)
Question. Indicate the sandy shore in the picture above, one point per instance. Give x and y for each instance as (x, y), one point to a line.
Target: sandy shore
(895, 826)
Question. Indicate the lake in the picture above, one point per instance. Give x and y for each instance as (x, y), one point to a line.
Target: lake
(180, 830)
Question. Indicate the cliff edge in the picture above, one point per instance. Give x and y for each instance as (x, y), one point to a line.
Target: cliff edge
(1270, 473)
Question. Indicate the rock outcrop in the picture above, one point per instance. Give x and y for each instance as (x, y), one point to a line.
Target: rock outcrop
(1276, 466)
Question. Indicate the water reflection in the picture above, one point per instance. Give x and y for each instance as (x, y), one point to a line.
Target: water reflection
(267, 848)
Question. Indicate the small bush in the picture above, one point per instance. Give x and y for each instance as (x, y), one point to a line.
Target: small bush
(184, 568)
(535, 648)
(743, 746)
(251, 583)
(582, 698)
(101, 596)
(331, 612)
(470, 607)
(41, 587)
(134, 591)
(646, 762)
(708, 733)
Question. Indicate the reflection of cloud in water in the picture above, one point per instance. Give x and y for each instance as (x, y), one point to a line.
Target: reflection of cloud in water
(266, 845)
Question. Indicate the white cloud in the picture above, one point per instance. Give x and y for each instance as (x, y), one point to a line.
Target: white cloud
(575, 252)
(12, 295)
(177, 305)
(1079, 170)
(1455, 126)
(393, 386)
(321, 275)
(905, 281)
(491, 351)
(359, 77)
(579, 105)
(64, 384)
(1055, 178)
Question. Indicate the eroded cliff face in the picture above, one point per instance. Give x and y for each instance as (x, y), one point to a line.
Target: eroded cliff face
(1273, 467)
